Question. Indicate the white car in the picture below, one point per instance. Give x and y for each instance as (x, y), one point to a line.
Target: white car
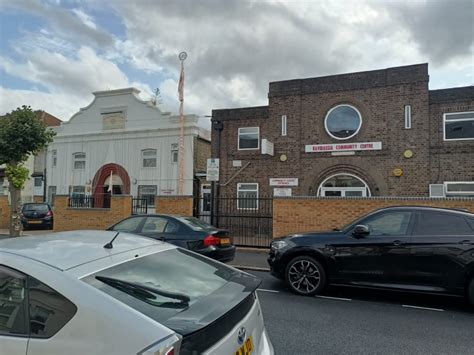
(77, 293)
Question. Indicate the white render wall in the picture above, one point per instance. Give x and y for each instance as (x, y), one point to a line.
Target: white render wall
(145, 127)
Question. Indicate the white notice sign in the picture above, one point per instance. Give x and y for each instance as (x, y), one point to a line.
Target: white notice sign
(282, 192)
(342, 147)
(212, 170)
(283, 181)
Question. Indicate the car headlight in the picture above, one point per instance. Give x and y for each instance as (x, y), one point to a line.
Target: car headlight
(278, 244)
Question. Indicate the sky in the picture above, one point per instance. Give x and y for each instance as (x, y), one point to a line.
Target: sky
(55, 53)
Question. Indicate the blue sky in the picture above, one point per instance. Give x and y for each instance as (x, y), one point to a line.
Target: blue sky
(55, 53)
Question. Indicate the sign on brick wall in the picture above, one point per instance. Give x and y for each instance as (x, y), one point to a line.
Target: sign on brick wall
(342, 147)
(283, 181)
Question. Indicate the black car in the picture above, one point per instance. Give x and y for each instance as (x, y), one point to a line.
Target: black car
(37, 215)
(187, 232)
(418, 249)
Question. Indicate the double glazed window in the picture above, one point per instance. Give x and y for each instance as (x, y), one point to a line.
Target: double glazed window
(174, 152)
(249, 138)
(247, 196)
(30, 308)
(79, 160)
(458, 126)
(459, 188)
(149, 158)
(54, 158)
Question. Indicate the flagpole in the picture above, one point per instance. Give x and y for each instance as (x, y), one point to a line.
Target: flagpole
(182, 57)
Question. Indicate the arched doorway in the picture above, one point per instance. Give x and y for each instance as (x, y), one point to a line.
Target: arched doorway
(110, 174)
(344, 185)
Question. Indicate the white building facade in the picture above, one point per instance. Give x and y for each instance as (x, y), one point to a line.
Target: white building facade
(121, 144)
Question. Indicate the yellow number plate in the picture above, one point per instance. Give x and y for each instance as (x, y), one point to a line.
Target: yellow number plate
(34, 222)
(225, 241)
(246, 348)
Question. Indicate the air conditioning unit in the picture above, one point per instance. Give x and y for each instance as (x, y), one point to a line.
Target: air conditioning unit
(437, 190)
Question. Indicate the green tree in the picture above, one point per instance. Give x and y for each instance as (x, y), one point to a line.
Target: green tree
(22, 133)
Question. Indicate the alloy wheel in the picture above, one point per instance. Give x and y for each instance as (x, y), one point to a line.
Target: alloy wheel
(304, 276)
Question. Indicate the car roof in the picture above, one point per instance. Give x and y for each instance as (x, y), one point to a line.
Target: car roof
(460, 210)
(66, 250)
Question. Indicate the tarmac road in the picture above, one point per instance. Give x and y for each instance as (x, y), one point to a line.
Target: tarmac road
(356, 321)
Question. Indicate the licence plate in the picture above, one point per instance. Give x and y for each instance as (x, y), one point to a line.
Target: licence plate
(34, 222)
(246, 348)
(225, 241)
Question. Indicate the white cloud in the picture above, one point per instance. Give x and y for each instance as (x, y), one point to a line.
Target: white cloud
(85, 18)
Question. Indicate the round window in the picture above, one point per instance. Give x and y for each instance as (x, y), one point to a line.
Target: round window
(343, 122)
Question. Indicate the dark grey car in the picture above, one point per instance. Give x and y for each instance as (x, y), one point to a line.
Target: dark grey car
(186, 232)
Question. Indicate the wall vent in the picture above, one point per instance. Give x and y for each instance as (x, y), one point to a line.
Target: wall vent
(437, 190)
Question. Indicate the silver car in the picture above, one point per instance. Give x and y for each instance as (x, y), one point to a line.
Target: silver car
(80, 293)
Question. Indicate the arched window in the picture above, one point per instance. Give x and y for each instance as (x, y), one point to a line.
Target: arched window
(343, 122)
(344, 185)
(149, 158)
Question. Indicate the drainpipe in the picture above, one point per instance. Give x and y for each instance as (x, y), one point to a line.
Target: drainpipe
(218, 126)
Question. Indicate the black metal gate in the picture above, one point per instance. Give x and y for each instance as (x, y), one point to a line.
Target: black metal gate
(248, 220)
(139, 205)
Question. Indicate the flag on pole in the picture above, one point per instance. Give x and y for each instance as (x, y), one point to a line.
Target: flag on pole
(110, 182)
(181, 84)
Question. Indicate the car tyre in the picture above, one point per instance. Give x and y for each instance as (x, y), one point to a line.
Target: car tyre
(305, 276)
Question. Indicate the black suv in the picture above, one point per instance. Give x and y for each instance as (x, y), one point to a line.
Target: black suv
(418, 249)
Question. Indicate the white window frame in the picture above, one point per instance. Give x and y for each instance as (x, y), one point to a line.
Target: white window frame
(258, 138)
(146, 195)
(455, 120)
(245, 190)
(149, 157)
(174, 153)
(407, 116)
(284, 127)
(467, 193)
(77, 160)
(54, 158)
(322, 188)
(345, 138)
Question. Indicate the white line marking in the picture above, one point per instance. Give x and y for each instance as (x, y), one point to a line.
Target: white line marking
(265, 290)
(425, 308)
(335, 298)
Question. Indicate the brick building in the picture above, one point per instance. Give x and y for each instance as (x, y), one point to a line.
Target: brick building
(374, 133)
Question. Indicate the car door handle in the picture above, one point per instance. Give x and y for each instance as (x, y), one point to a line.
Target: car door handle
(398, 242)
(466, 241)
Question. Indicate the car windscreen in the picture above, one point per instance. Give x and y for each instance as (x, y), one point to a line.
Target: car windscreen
(197, 225)
(36, 207)
(156, 284)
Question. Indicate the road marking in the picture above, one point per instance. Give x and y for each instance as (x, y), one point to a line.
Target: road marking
(265, 290)
(335, 298)
(425, 308)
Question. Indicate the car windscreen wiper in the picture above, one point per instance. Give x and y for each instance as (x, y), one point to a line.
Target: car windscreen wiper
(143, 291)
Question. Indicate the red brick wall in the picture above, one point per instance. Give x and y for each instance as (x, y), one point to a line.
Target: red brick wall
(181, 205)
(66, 218)
(319, 214)
(4, 212)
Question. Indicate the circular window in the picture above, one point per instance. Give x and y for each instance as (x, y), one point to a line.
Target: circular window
(343, 122)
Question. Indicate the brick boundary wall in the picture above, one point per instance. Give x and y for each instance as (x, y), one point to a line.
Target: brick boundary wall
(4, 212)
(67, 218)
(304, 214)
(182, 205)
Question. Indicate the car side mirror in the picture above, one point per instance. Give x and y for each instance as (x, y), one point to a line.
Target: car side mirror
(360, 231)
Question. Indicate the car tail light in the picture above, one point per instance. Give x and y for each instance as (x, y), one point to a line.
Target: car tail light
(168, 346)
(211, 240)
(49, 214)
